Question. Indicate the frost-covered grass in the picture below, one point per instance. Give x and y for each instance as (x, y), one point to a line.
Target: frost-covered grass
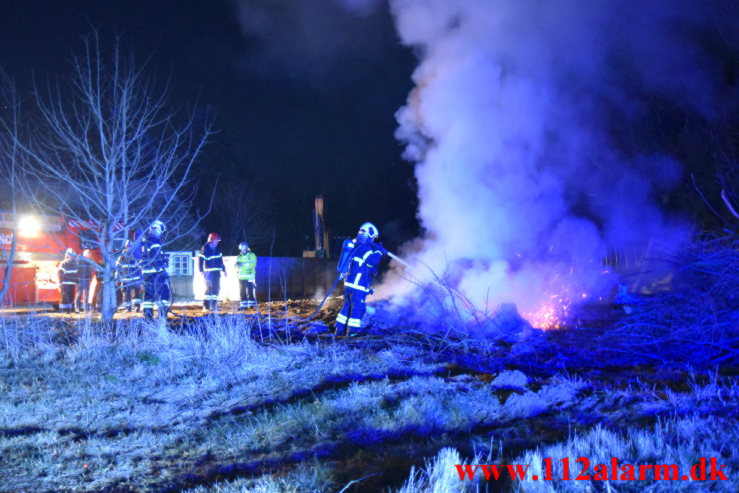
(679, 441)
(671, 441)
(208, 407)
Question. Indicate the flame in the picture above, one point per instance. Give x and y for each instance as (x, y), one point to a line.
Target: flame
(551, 314)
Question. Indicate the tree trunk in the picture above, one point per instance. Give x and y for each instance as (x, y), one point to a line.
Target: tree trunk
(8, 277)
(108, 305)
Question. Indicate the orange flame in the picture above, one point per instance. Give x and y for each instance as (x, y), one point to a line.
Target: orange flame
(551, 314)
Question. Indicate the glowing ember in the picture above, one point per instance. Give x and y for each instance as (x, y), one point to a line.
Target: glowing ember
(551, 314)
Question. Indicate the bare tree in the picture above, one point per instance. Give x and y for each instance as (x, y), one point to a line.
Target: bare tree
(111, 153)
(9, 157)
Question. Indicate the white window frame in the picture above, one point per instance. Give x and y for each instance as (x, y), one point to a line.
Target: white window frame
(180, 259)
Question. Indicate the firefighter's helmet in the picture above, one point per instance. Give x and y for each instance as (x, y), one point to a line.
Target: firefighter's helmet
(158, 226)
(214, 237)
(69, 252)
(243, 245)
(369, 229)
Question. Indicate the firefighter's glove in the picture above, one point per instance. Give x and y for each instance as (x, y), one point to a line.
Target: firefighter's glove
(378, 246)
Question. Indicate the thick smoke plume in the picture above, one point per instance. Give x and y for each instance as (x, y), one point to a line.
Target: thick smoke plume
(529, 124)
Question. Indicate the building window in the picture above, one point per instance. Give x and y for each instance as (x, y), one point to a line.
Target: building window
(180, 263)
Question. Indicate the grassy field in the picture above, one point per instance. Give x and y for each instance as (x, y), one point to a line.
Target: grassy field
(228, 403)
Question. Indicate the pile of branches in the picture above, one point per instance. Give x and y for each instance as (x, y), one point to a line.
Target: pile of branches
(441, 319)
(697, 321)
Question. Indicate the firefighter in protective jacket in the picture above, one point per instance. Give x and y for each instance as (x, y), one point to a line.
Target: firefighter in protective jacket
(130, 281)
(246, 266)
(357, 266)
(85, 271)
(154, 264)
(68, 274)
(211, 266)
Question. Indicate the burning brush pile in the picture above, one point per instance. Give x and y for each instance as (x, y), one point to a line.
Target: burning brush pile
(692, 320)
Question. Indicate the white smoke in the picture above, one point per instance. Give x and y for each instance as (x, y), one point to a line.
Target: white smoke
(519, 124)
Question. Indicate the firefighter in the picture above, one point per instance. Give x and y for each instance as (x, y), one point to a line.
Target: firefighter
(246, 266)
(357, 266)
(97, 293)
(154, 264)
(68, 274)
(85, 270)
(211, 265)
(128, 271)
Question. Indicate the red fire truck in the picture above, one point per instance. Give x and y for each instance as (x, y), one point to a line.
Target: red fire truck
(41, 243)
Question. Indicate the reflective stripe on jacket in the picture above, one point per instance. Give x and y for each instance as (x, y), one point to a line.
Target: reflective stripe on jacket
(128, 268)
(68, 272)
(362, 267)
(153, 259)
(246, 265)
(211, 259)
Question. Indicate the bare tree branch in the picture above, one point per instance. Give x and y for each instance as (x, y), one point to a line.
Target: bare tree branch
(728, 204)
(109, 150)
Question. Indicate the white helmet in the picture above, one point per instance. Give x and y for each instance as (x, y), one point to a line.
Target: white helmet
(243, 246)
(369, 229)
(159, 226)
(69, 252)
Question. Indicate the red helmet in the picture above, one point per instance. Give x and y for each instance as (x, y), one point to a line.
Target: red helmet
(214, 236)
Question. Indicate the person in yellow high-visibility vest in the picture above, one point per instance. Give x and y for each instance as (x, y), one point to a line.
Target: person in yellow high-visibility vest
(246, 267)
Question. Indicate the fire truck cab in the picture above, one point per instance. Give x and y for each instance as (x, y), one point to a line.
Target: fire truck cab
(40, 247)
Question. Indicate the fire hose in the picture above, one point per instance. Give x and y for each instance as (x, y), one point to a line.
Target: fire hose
(320, 305)
(325, 298)
(328, 293)
(395, 257)
(339, 277)
(333, 286)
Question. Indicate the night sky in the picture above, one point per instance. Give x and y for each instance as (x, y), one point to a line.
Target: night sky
(303, 95)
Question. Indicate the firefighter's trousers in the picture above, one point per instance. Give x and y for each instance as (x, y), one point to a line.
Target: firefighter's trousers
(156, 292)
(83, 295)
(212, 288)
(131, 294)
(247, 290)
(68, 292)
(352, 312)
